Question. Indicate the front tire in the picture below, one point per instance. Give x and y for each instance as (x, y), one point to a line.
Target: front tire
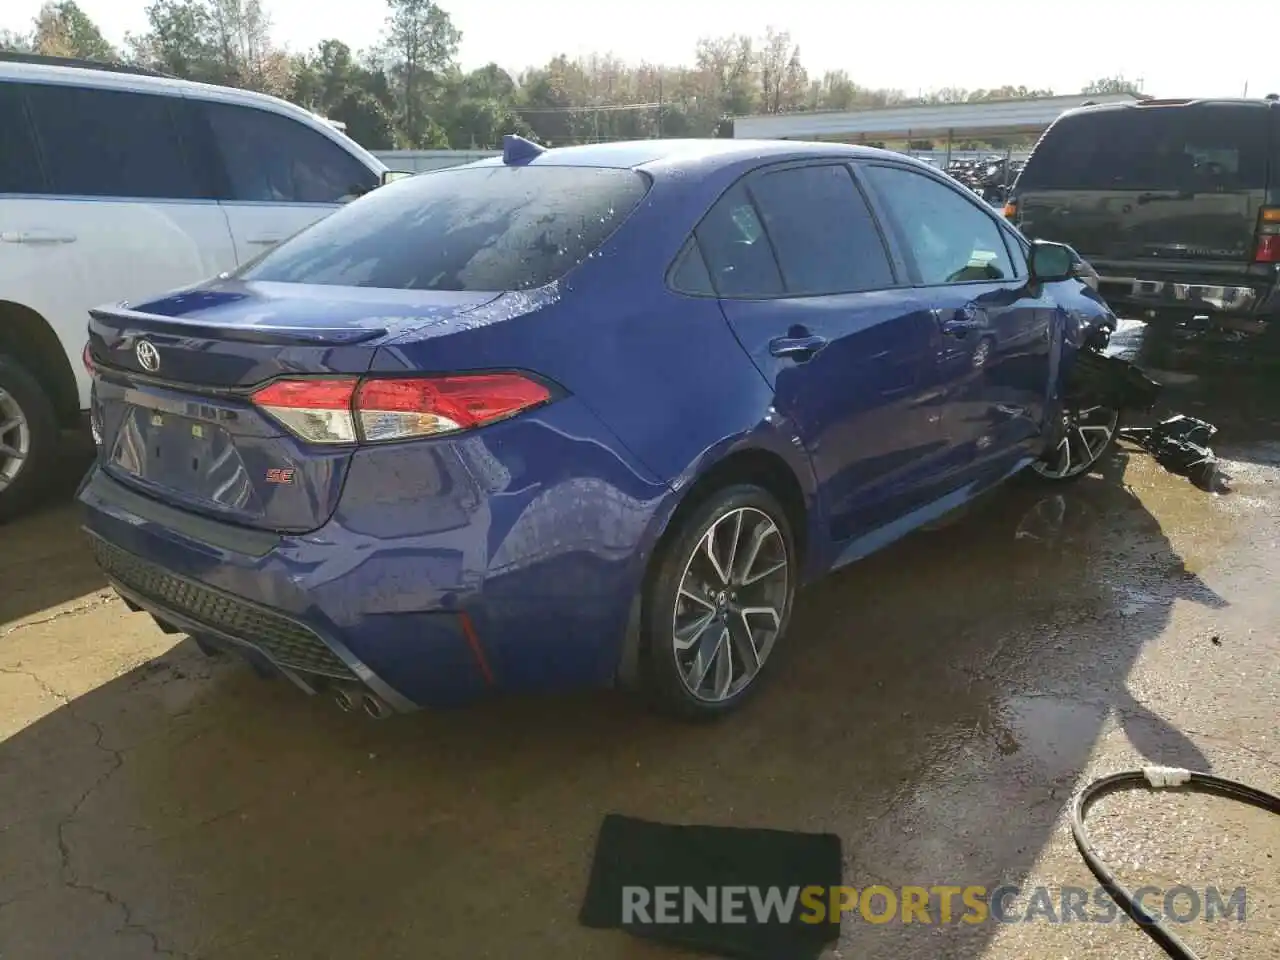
(1087, 434)
(28, 438)
(719, 603)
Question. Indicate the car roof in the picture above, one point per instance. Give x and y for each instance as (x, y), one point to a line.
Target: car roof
(21, 71)
(1155, 104)
(653, 155)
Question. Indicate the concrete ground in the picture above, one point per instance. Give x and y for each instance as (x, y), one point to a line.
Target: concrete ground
(936, 707)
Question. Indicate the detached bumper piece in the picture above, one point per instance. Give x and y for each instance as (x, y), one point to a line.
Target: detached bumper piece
(1180, 445)
(1099, 380)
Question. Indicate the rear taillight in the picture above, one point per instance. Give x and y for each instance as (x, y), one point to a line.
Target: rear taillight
(1011, 210)
(378, 410)
(86, 358)
(317, 411)
(397, 409)
(1268, 248)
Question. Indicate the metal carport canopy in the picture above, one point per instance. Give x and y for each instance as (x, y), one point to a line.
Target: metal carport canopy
(959, 120)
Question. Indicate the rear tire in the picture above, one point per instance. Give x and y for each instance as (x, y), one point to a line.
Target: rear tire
(29, 438)
(718, 604)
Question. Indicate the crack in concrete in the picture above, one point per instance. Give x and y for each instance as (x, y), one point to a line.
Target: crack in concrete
(97, 600)
(69, 878)
(39, 682)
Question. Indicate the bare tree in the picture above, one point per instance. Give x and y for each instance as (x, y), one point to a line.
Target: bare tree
(16, 42)
(782, 76)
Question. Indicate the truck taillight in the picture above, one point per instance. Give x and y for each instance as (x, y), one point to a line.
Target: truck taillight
(1268, 247)
(377, 410)
(86, 357)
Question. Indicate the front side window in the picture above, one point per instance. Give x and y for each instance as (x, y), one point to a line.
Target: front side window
(822, 231)
(107, 143)
(480, 229)
(948, 237)
(271, 158)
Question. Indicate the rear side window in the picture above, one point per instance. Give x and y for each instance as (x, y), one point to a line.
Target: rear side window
(690, 274)
(1201, 147)
(106, 143)
(19, 158)
(490, 228)
(824, 236)
(270, 158)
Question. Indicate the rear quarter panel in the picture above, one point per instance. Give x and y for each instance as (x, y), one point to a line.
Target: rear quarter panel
(662, 370)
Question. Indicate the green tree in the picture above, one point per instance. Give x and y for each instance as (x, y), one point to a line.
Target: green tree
(213, 41)
(332, 82)
(62, 29)
(421, 42)
(1105, 85)
(178, 41)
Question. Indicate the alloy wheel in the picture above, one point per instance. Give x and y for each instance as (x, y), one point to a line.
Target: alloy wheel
(15, 438)
(1086, 435)
(730, 605)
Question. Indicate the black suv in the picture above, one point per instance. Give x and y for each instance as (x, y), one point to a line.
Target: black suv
(1176, 203)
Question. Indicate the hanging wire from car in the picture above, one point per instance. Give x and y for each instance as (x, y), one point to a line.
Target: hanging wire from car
(1155, 778)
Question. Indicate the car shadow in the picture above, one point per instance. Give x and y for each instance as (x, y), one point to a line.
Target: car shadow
(926, 693)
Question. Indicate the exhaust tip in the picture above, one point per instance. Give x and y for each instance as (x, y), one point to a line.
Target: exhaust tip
(376, 707)
(345, 701)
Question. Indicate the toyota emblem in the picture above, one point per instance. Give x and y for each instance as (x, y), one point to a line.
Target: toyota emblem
(148, 356)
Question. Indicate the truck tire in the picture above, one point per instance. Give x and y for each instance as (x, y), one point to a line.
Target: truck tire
(29, 438)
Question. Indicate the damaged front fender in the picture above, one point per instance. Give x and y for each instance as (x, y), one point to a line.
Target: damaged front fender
(1097, 380)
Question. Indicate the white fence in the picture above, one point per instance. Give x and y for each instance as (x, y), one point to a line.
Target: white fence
(420, 161)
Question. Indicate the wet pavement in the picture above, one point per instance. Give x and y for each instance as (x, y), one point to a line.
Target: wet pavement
(936, 706)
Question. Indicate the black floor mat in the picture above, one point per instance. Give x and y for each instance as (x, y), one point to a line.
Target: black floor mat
(639, 854)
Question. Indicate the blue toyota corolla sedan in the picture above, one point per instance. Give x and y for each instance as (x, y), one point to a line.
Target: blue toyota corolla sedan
(575, 417)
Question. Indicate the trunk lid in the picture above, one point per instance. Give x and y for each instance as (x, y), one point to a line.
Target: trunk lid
(1163, 183)
(174, 378)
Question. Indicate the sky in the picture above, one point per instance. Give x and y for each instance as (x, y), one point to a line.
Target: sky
(1174, 48)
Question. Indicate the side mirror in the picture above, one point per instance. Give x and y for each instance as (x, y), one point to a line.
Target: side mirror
(390, 176)
(1051, 262)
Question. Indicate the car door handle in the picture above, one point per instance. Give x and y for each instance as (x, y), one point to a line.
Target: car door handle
(961, 322)
(801, 348)
(37, 237)
(265, 241)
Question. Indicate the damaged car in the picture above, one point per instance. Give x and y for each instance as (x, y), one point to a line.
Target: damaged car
(582, 417)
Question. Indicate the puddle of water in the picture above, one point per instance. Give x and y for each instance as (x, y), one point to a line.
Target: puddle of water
(1055, 731)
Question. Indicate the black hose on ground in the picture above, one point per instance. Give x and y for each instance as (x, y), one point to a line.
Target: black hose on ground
(1154, 778)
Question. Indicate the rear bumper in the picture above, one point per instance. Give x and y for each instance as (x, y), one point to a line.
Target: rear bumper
(1250, 298)
(489, 571)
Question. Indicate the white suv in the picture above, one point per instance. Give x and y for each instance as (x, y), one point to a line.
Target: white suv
(118, 184)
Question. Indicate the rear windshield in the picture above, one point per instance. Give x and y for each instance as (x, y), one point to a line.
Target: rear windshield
(1198, 147)
(471, 229)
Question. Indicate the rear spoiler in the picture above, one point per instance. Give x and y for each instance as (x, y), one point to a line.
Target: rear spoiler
(123, 319)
